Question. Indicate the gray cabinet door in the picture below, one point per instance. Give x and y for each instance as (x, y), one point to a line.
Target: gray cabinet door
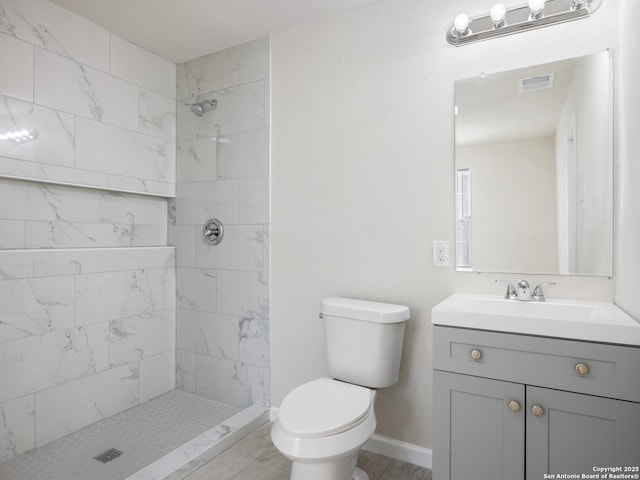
(575, 433)
(476, 435)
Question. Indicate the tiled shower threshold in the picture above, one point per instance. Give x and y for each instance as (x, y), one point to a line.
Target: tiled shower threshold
(165, 438)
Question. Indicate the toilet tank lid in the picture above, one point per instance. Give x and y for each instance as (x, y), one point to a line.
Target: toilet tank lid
(365, 310)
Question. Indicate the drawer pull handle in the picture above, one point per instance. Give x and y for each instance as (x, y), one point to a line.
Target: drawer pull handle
(582, 369)
(537, 410)
(514, 406)
(475, 354)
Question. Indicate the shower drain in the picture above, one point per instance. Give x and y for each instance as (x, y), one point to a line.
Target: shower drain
(109, 455)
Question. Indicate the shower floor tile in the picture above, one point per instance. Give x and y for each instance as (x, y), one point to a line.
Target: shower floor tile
(143, 434)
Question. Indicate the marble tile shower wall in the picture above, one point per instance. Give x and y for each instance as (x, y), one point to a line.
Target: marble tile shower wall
(87, 279)
(223, 172)
(104, 108)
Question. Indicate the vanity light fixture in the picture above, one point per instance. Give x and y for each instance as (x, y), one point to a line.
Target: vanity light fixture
(506, 21)
(19, 136)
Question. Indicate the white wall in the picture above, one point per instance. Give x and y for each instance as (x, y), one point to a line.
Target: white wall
(362, 178)
(513, 211)
(627, 265)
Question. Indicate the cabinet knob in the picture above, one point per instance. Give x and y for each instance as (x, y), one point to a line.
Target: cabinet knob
(537, 410)
(475, 354)
(514, 406)
(582, 369)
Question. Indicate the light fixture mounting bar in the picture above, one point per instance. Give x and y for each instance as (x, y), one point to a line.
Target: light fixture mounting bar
(519, 19)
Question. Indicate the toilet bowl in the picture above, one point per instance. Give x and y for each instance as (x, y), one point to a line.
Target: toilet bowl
(321, 427)
(322, 424)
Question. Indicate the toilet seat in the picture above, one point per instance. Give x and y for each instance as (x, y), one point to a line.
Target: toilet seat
(324, 407)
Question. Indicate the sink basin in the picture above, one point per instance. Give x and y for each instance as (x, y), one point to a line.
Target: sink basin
(572, 319)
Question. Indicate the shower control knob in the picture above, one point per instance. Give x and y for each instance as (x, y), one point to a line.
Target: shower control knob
(582, 369)
(475, 354)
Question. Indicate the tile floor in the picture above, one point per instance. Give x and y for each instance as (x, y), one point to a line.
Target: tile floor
(143, 433)
(255, 458)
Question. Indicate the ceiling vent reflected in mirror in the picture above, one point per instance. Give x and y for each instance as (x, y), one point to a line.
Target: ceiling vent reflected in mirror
(535, 82)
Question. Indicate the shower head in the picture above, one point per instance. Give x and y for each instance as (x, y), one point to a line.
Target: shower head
(203, 107)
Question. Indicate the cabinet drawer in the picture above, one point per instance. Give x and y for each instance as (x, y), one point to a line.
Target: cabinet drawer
(607, 370)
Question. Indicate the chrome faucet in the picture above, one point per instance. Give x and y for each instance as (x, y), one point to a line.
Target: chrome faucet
(522, 292)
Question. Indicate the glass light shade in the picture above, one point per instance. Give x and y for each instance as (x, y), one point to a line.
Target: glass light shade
(536, 7)
(461, 24)
(498, 13)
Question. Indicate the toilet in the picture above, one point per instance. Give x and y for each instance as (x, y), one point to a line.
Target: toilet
(322, 424)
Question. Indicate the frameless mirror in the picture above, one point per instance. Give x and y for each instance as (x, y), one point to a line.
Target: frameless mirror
(534, 169)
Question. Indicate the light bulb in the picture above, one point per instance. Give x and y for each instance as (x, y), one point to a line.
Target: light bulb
(498, 13)
(537, 8)
(461, 25)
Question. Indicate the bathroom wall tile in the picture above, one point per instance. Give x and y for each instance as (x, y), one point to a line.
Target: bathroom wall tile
(141, 67)
(170, 301)
(20, 169)
(209, 73)
(58, 203)
(242, 248)
(76, 235)
(149, 235)
(253, 200)
(157, 375)
(157, 257)
(267, 243)
(245, 155)
(12, 234)
(16, 57)
(198, 202)
(64, 84)
(16, 427)
(116, 207)
(196, 289)
(244, 294)
(142, 336)
(254, 340)
(157, 115)
(197, 161)
(16, 264)
(51, 27)
(186, 371)
(109, 296)
(70, 407)
(56, 138)
(228, 381)
(118, 151)
(254, 60)
(13, 199)
(185, 240)
(142, 185)
(170, 163)
(39, 362)
(36, 306)
(210, 334)
(239, 108)
(70, 262)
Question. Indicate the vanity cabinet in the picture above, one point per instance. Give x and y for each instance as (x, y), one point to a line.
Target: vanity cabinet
(517, 407)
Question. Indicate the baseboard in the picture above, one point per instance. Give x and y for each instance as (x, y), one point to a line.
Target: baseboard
(389, 447)
(406, 452)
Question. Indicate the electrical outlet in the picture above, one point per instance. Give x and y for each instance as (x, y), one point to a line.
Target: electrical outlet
(440, 253)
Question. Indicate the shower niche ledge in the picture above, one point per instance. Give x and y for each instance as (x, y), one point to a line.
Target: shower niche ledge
(73, 177)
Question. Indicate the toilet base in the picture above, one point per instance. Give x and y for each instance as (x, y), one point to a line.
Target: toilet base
(342, 468)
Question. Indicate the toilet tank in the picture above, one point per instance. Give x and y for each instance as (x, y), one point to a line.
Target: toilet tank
(363, 340)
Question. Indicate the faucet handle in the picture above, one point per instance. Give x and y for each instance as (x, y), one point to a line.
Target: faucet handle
(538, 294)
(511, 290)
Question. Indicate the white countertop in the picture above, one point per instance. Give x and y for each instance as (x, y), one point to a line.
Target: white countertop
(571, 319)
